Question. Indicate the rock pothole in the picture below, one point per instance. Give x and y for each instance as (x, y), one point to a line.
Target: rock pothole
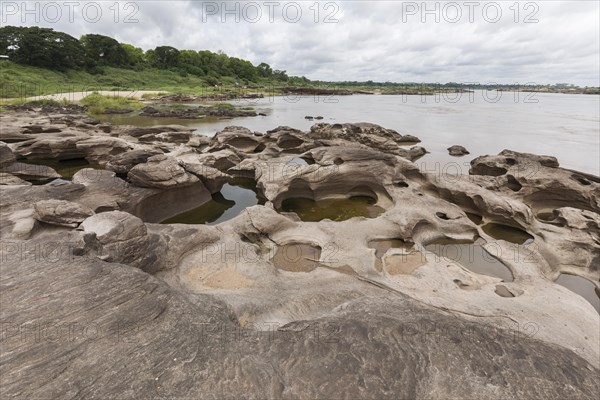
(297, 257)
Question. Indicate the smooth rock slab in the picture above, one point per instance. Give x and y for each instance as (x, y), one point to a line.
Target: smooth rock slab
(61, 213)
(108, 331)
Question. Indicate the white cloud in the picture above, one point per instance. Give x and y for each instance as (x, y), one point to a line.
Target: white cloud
(372, 40)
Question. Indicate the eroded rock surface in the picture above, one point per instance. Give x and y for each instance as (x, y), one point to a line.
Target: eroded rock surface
(61, 213)
(265, 305)
(161, 172)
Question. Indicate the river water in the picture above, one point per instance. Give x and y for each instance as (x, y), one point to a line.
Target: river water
(560, 125)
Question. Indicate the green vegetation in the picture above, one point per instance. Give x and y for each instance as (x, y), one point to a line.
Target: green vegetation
(225, 106)
(17, 81)
(98, 104)
(44, 61)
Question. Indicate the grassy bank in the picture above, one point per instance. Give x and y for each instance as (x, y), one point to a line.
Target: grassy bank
(19, 81)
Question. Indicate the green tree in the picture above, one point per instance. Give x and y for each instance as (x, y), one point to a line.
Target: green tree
(104, 50)
(166, 57)
(135, 55)
(280, 75)
(264, 70)
(41, 47)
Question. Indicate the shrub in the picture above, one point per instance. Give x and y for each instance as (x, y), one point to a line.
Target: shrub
(98, 104)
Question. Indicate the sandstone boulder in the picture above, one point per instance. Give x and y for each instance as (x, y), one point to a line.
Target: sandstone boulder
(10, 179)
(31, 171)
(374, 136)
(161, 172)
(102, 148)
(6, 155)
(117, 236)
(60, 146)
(61, 213)
(457, 151)
(122, 163)
(212, 178)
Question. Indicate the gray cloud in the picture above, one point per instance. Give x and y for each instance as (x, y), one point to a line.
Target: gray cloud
(371, 40)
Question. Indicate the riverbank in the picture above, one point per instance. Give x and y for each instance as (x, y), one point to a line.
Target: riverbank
(23, 82)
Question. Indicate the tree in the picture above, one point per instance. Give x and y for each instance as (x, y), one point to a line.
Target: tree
(191, 62)
(280, 75)
(242, 69)
(135, 55)
(41, 47)
(104, 50)
(166, 57)
(264, 70)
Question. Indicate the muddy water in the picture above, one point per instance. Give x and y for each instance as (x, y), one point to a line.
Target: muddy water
(507, 233)
(297, 257)
(225, 205)
(582, 287)
(309, 210)
(194, 205)
(381, 247)
(564, 126)
(473, 257)
(66, 168)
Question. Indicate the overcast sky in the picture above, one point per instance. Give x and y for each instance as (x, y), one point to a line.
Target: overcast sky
(540, 42)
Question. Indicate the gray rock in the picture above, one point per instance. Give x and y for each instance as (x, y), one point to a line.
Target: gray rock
(6, 155)
(221, 160)
(102, 148)
(61, 213)
(9, 179)
(166, 137)
(61, 146)
(212, 178)
(147, 338)
(141, 131)
(374, 136)
(161, 172)
(117, 236)
(237, 137)
(122, 163)
(41, 129)
(457, 151)
(31, 171)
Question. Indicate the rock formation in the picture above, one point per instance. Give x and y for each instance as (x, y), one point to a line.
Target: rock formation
(101, 300)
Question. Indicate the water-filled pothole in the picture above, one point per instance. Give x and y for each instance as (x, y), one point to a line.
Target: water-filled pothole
(381, 247)
(65, 168)
(297, 257)
(545, 215)
(507, 233)
(301, 161)
(475, 218)
(582, 287)
(335, 209)
(233, 198)
(195, 205)
(471, 256)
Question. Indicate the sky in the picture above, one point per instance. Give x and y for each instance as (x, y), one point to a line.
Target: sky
(400, 41)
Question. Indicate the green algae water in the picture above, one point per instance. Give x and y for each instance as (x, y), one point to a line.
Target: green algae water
(309, 210)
